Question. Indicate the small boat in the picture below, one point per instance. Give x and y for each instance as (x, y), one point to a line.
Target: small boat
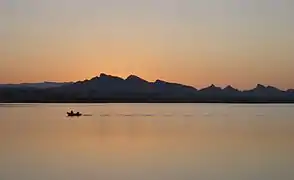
(72, 114)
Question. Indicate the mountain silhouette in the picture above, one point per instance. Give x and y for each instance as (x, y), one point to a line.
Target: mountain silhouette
(261, 90)
(230, 90)
(41, 85)
(212, 89)
(107, 88)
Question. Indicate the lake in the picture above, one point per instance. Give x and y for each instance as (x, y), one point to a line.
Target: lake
(147, 142)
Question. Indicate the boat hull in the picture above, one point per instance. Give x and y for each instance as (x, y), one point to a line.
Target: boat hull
(74, 114)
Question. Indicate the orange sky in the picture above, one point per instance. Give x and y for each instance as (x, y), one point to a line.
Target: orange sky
(191, 42)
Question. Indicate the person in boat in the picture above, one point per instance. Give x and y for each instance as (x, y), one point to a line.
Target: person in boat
(71, 113)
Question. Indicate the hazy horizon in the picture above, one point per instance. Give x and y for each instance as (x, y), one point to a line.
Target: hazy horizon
(125, 77)
(193, 42)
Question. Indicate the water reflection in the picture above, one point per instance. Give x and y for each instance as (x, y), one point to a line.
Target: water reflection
(157, 141)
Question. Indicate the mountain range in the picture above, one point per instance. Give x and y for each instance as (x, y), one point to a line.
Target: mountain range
(106, 89)
(41, 85)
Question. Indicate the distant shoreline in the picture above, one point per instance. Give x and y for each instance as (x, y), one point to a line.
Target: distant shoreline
(112, 89)
(145, 102)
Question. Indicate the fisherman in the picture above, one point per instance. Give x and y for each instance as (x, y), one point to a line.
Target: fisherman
(71, 113)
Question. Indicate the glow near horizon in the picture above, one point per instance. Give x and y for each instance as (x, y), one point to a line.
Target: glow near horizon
(195, 42)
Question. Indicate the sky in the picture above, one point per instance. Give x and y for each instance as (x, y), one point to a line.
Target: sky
(195, 42)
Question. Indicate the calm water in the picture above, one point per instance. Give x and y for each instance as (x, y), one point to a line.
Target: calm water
(147, 142)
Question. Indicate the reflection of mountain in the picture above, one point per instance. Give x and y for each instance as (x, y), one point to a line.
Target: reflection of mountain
(106, 88)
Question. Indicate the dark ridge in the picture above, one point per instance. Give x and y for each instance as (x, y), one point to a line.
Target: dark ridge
(106, 88)
(230, 88)
(212, 89)
(135, 78)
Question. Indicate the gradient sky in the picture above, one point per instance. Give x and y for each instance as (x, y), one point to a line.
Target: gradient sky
(196, 42)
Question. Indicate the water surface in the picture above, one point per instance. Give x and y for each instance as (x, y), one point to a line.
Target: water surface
(147, 142)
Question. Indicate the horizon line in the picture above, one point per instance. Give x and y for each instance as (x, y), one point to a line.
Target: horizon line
(125, 78)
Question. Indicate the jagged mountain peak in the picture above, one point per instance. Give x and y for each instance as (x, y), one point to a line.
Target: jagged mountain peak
(103, 75)
(260, 86)
(212, 86)
(229, 87)
(158, 81)
(135, 78)
(273, 88)
(111, 89)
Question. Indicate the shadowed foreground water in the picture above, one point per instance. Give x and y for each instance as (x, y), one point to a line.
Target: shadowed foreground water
(147, 142)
